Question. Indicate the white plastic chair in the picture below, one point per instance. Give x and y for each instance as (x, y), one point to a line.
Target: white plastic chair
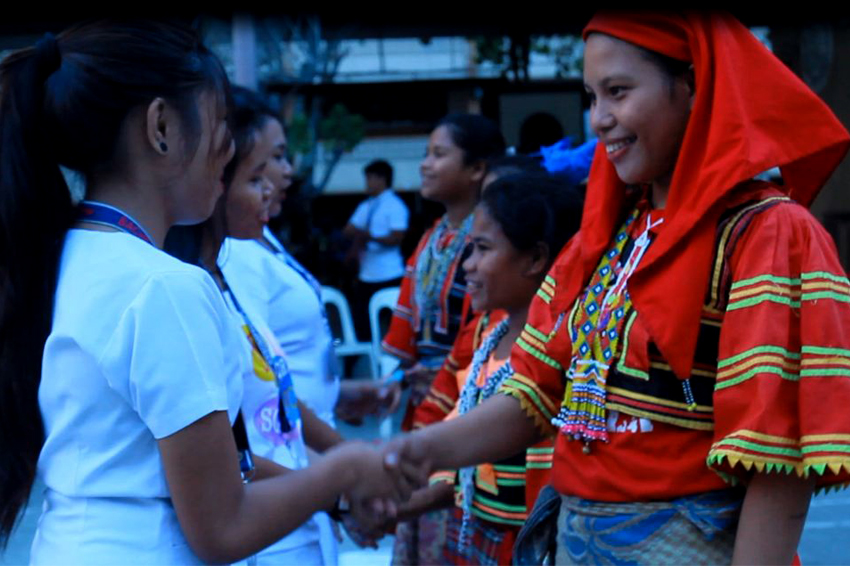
(347, 345)
(382, 363)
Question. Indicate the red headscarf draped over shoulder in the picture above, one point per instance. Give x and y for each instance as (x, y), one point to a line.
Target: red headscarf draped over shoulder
(750, 113)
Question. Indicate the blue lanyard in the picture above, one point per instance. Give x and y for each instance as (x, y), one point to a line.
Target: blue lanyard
(289, 260)
(107, 215)
(288, 412)
(302, 271)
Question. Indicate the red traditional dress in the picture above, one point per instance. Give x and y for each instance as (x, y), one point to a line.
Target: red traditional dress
(504, 492)
(432, 309)
(722, 346)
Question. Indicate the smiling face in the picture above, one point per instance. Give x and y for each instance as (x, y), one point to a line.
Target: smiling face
(445, 177)
(249, 195)
(639, 112)
(278, 169)
(497, 273)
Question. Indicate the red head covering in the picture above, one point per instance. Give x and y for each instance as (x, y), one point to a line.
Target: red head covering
(750, 113)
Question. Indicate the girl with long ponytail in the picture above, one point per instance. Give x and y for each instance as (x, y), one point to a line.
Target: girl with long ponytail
(116, 386)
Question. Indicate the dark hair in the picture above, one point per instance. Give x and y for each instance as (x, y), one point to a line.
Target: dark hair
(478, 136)
(532, 208)
(669, 66)
(64, 102)
(249, 113)
(381, 168)
(507, 165)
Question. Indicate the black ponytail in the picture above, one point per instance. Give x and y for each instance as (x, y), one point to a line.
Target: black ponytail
(35, 212)
(64, 102)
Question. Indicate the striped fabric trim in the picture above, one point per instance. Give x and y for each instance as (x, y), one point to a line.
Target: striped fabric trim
(547, 289)
(502, 513)
(724, 242)
(770, 453)
(550, 280)
(439, 400)
(658, 401)
(443, 398)
(479, 512)
(532, 400)
(826, 452)
(659, 415)
(537, 353)
(447, 477)
(533, 333)
(396, 352)
(451, 365)
(825, 361)
(814, 362)
(621, 365)
(767, 359)
(539, 457)
(547, 299)
(788, 291)
(403, 313)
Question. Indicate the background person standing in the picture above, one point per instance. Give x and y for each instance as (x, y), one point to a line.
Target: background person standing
(377, 228)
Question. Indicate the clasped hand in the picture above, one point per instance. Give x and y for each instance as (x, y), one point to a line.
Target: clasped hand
(387, 475)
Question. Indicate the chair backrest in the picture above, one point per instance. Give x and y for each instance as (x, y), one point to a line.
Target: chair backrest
(382, 299)
(334, 297)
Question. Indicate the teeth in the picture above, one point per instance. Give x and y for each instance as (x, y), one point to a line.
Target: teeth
(617, 145)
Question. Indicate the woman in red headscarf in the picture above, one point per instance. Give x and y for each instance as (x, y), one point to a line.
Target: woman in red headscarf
(691, 352)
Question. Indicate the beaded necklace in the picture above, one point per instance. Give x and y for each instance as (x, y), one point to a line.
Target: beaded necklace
(595, 334)
(433, 266)
(470, 396)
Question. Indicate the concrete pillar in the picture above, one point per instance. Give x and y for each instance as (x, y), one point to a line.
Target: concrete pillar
(245, 51)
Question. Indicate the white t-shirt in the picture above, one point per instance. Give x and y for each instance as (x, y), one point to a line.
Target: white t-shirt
(286, 310)
(293, 311)
(379, 216)
(142, 345)
(260, 409)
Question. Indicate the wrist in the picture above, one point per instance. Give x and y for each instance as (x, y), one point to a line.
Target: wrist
(338, 466)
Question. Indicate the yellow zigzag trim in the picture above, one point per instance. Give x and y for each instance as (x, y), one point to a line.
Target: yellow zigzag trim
(819, 465)
(531, 410)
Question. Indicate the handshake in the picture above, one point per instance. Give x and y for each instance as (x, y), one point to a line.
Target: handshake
(380, 479)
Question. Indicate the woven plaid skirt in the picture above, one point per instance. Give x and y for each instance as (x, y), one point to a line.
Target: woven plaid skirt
(488, 543)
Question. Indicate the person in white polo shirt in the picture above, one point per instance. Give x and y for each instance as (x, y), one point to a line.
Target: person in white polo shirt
(377, 228)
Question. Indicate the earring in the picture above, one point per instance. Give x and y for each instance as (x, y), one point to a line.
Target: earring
(163, 147)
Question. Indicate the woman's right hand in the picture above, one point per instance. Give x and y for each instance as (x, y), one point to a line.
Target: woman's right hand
(376, 477)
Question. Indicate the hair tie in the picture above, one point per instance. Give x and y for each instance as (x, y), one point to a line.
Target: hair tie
(47, 55)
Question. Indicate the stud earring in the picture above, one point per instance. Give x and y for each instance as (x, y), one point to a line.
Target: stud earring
(163, 147)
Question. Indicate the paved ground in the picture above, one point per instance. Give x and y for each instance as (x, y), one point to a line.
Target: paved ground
(826, 537)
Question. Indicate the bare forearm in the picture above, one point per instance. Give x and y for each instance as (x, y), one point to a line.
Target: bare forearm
(224, 520)
(285, 502)
(772, 519)
(495, 430)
